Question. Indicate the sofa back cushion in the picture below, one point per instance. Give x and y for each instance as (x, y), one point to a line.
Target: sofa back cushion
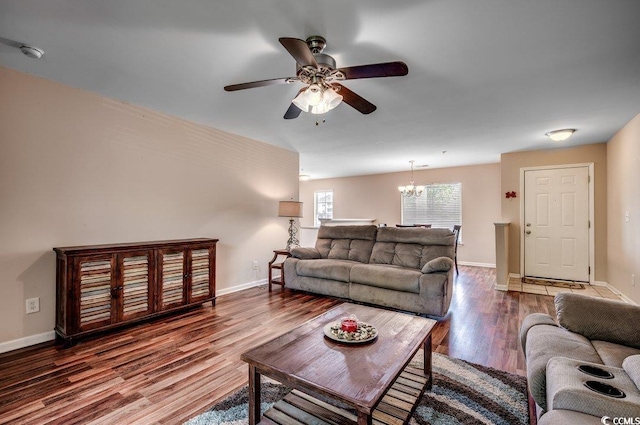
(599, 318)
(346, 242)
(411, 247)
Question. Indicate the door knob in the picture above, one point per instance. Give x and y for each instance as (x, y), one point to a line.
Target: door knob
(528, 232)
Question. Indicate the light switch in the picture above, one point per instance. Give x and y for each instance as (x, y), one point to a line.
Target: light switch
(627, 217)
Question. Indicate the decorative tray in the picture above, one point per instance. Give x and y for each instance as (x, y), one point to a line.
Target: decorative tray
(365, 333)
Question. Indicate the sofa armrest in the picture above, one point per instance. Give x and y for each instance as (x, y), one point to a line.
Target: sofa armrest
(440, 264)
(305, 253)
(631, 365)
(530, 321)
(599, 318)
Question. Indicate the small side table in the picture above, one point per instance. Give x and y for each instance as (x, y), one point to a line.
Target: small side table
(273, 265)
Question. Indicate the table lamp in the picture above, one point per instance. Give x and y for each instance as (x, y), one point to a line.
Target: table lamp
(291, 209)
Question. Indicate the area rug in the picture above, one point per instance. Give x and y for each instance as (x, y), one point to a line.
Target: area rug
(555, 283)
(463, 393)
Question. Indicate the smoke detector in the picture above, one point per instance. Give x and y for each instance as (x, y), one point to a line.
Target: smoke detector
(32, 52)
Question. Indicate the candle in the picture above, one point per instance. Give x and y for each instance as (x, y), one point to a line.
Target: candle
(349, 324)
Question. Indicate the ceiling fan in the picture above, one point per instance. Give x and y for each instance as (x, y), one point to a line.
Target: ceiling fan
(318, 71)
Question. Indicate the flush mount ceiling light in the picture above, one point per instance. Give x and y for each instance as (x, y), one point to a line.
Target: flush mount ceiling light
(411, 190)
(560, 135)
(32, 52)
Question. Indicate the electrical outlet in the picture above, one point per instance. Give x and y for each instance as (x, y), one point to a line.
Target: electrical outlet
(33, 305)
(255, 265)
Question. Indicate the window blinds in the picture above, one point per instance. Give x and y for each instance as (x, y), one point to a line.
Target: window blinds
(440, 205)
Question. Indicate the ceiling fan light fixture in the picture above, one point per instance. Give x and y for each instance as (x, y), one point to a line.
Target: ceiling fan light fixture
(560, 135)
(316, 100)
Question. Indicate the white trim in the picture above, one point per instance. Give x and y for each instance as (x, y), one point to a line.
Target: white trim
(599, 283)
(27, 341)
(471, 263)
(592, 228)
(241, 287)
(620, 294)
(514, 275)
(16, 344)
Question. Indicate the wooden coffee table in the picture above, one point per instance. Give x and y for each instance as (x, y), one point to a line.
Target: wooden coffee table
(374, 378)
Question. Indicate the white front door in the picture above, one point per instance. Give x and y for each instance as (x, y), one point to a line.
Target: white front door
(556, 223)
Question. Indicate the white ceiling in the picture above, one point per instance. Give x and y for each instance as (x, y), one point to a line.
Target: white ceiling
(485, 76)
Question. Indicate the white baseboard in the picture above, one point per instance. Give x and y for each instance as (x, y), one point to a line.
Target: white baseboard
(620, 294)
(514, 275)
(599, 283)
(241, 287)
(469, 263)
(27, 341)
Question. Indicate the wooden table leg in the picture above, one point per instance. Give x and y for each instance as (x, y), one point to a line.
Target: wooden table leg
(427, 361)
(364, 419)
(254, 395)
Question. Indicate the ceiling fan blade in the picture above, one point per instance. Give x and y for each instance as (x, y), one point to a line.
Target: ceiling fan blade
(386, 69)
(355, 100)
(260, 83)
(299, 50)
(292, 112)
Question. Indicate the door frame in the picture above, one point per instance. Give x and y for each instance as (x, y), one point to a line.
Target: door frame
(592, 227)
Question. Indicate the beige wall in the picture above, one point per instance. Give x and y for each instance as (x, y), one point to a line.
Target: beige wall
(511, 163)
(377, 196)
(623, 196)
(77, 168)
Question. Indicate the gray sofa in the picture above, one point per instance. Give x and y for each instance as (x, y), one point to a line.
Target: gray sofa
(590, 333)
(408, 269)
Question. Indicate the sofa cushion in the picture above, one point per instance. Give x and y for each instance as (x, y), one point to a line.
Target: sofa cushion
(440, 264)
(346, 242)
(411, 247)
(631, 365)
(325, 269)
(613, 354)
(363, 232)
(599, 318)
(416, 235)
(389, 277)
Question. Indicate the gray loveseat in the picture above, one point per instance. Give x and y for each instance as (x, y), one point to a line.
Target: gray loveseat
(591, 333)
(408, 269)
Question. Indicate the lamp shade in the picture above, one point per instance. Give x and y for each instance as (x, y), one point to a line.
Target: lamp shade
(290, 209)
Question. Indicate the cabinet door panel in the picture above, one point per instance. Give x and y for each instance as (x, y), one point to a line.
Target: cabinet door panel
(96, 279)
(200, 274)
(136, 269)
(172, 275)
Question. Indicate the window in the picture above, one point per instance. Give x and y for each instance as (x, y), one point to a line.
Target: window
(440, 205)
(322, 206)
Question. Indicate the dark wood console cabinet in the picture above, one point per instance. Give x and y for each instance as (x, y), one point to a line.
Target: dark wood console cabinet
(101, 287)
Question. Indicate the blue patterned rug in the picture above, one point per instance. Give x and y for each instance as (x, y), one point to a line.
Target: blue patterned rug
(463, 393)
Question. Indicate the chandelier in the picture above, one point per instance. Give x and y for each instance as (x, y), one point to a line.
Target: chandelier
(411, 190)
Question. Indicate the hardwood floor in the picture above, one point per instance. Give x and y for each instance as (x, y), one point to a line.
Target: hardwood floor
(169, 370)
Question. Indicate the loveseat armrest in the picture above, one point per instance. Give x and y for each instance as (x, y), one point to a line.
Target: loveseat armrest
(631, 365)
(440, 264)
(599, 318)
(305, 253)
(530, 321)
